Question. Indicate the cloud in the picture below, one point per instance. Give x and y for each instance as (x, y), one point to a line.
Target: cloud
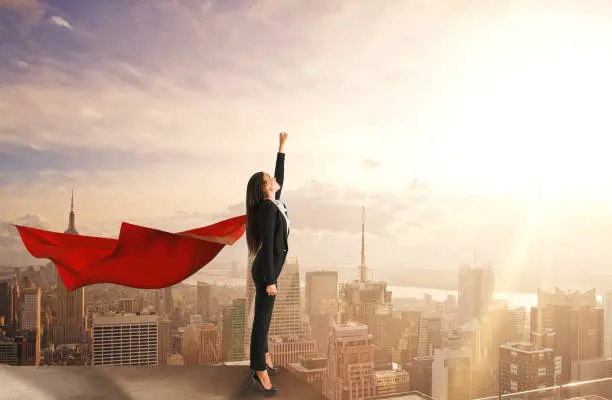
(369, 163)
(321, 207)
(12, 251)
(59, 21)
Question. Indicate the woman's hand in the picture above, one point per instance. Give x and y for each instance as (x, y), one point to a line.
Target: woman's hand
(282, 138)
(271, 290)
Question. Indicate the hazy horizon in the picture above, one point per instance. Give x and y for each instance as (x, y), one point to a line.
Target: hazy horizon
(463, 127)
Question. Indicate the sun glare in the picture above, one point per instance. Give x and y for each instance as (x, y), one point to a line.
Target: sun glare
(532, 117)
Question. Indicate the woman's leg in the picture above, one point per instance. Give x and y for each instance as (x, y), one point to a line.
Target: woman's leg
(264, 305)
(267, 323)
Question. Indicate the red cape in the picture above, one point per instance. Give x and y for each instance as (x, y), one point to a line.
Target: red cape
(141, 257)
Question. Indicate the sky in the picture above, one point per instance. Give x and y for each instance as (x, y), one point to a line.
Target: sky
(460, 125)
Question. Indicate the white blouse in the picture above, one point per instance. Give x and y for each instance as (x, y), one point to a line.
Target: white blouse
(283, 208)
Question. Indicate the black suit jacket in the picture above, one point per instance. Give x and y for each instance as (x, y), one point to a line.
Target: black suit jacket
(270, 259)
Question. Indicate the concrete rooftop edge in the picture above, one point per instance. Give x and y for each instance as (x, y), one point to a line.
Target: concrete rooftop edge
(150, 383)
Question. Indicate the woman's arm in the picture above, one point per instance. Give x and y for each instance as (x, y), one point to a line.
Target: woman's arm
(279, 170)
(267, 215)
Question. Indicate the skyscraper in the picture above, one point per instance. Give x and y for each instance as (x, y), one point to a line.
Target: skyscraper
(525, 366)
(125, 340)
(233, 331)
(30, 309)
(15, 309)
(366, 301)
(203, 298)
(578, 324)
(70, 324)
(209, 344)
(451, 377)
(321, 290)
(5, 300)
(287, 314)
(164, 339)
(168, 303)
(350, 364)
(475, 292)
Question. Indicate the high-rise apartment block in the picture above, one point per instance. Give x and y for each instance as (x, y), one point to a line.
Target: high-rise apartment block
(125, 340)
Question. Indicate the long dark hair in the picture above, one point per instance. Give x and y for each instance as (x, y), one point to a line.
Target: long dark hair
(254, 197)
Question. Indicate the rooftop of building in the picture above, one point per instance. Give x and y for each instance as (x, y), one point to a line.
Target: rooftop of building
(389, 372)
(525, 347)
(408, 396)
(150, 383)
(301, 368)
(589, 397)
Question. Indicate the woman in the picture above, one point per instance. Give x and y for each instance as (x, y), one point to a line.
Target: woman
(267, 232)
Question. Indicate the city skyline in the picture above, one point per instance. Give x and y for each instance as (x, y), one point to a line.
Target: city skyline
(403, 108)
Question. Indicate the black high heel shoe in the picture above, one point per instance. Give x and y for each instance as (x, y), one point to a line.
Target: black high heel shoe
(272, 391)
(272, 370)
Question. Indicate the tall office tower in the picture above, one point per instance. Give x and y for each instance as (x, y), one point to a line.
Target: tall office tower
(5, 300)
(164, 340)
(28, 347)
(168, 303)
(350, 364)
(364, 301)
(233, 331)
(127, 306)
(190, 345)
(321, 289)
(497, 328)
(15, 300)
(321, 305)
(577, 323)
(405, 335)
(525, 366)
(157, 300)
(475, 292)
(287, 315)
(125, 340)
(420, 371)
(203, 298)
(139, 302)
(30, 309)
(210, 352)
(607, 322)
(451, 377)
(520, 324)
(430, 335)
(71, 318)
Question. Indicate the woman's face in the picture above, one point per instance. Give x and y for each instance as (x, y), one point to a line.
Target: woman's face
(270, 184)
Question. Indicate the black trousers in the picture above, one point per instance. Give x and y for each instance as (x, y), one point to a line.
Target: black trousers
(264, 305)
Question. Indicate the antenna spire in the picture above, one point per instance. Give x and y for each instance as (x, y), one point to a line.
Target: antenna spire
(363, 268)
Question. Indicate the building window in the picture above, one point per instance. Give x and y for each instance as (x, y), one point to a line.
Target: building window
(513, 386)
(514, 369)
(541, 356)
(542, 371)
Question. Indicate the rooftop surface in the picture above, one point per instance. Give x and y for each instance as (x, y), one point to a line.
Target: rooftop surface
(146, 383)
